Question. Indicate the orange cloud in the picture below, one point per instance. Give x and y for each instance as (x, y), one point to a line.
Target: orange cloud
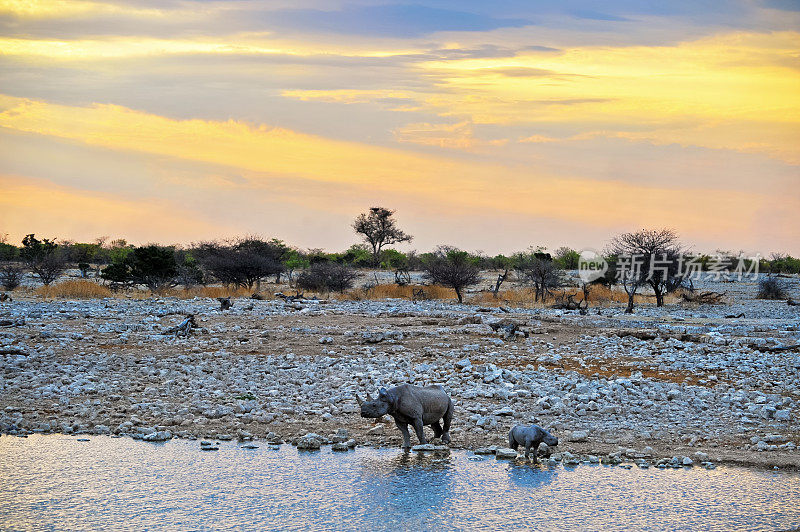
(42, 207)
(449, 185)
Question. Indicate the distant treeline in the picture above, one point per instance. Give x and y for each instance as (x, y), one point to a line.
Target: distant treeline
(247, 261)
(86, 256)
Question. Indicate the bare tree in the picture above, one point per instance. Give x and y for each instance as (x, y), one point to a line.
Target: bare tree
(650, 257)
(378, 227)
(538, 269)
(451, 267)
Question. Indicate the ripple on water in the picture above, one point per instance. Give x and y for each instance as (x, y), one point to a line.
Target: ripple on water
(122, 484)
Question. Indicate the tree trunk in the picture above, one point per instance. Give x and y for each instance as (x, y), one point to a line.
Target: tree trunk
(658, 292)
(458, 294)
(629, 310)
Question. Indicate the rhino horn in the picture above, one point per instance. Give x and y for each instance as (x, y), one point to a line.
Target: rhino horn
(359, 399)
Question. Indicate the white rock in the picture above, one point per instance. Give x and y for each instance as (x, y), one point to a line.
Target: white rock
(578, 436)
(505, 453)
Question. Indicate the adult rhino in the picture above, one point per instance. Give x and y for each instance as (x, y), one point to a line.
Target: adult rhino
(412, 405)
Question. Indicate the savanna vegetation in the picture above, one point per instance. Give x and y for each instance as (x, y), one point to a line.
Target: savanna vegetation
(239, 267)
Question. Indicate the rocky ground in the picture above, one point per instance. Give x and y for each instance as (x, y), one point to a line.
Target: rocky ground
(682, 380)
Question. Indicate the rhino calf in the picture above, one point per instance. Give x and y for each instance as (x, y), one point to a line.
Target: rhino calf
(530, 437)
(412, 405)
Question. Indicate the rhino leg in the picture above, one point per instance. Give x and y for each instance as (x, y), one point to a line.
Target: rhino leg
(419, 431)
(406, 436)
(512, 442)
(437, 429)
(531, 446)
(448, 417)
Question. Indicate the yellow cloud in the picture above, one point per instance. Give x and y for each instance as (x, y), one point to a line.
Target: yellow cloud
(347, 96)
(734, 91)
(67, 8)
(459, 136)
(448, 185)
(238, 144)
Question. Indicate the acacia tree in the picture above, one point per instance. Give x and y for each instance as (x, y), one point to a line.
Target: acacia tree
(538, 269)
(379, 228)
(648, 257)
(449, 266)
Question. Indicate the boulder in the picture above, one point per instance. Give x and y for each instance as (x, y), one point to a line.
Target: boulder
(578, 436)
(505, 453)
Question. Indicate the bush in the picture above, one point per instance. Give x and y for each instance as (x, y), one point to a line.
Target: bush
(43, 258)
(772, 288)
(11, 276)
(244, 262)
(391, 259)
(8, 252)
(567, 258)
(152, 266)
(451, 267)
(358, 256)
(327, 277)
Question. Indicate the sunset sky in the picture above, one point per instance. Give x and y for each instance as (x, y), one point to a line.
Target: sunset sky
(491, 126)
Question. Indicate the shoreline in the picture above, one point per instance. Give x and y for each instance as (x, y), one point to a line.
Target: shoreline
(580, 457)
(677, 379)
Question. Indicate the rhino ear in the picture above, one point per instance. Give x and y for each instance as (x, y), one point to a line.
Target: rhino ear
(359, 399)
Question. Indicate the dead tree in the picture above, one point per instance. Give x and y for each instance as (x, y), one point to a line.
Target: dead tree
(224, 303)
(570, 304)
(705, 298)
(501, 277)
(184, 328)
(509, 328)
(290, 299)
(402, 277)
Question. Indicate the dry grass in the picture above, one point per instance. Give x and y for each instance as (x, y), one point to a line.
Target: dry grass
(524, 297)
(74, 289)
(83, 289)
(213, 292)
(386, 291)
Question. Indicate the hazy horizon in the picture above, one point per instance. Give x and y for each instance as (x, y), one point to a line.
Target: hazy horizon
(488, 126)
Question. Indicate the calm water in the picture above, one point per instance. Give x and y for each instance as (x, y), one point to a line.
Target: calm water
(59, 483)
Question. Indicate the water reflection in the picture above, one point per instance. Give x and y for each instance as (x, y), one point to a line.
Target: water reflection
(52, 482)
(408, 487)
(531, 475)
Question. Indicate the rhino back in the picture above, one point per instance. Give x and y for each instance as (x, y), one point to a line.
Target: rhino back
(432, 400)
